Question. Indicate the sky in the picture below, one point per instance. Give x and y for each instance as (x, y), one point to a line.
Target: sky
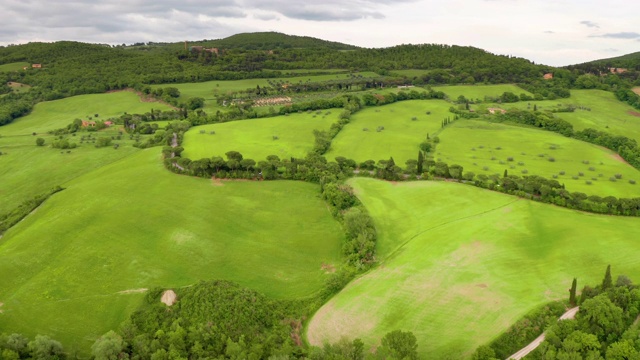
(551, 32)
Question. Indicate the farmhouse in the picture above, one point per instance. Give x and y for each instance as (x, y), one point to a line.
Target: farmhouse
(617, 70)
(495, 110)
(87, 123)
(36, 66)
(108, 123)
(548, 76)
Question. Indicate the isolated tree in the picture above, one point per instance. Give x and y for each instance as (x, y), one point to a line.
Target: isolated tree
(399, 344)
(45, 348)
(572, 291)
(506, 173)
(108, 347)
(40, 141)
(607, 282)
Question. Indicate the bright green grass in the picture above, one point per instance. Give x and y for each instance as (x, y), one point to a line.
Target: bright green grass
(254, 138)
(57, 114)
(18, 87)
(461, 264)
(133, 224)
(28, 170)
(208, 90)
(401, 136)
(306, 71)
(473, 144)
(478, 92)
(607, 113)
(13, 66)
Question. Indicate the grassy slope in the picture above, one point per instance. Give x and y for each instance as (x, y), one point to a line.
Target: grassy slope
(473, 92)
(254, 138)
(13, 66)
(458, 272)
(461, 144)
(607, 113)
(401, 136)
(28, 170)
(57, 114)
(132, 224)
(210, 89)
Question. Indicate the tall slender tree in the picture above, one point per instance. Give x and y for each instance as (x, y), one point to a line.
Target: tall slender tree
(607, 282)
(572, 292)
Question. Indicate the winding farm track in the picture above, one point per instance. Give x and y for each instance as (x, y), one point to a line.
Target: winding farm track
(570, 314)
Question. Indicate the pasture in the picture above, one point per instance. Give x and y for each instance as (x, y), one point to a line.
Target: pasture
(478, 92)
(52, 115)
(209, 90)
(490, 148)
(360, 139)
(74, 267)
(596, 109)
(284, 136)
(458, 264)
(16, 66)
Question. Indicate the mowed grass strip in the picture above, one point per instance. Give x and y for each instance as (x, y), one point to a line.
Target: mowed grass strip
(71, 269)
(401, 137)
(51, 115)
(460, 264)
(478, 92)
(490, 148)
(13, 66)
(284, 136)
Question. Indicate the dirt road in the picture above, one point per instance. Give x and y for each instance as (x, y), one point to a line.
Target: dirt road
(570, 314)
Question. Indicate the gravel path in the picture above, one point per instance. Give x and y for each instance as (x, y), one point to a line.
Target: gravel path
(570, 314)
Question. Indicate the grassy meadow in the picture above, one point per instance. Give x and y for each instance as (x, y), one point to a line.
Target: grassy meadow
(401, 136)
(478, 92)
(606, 113)
(51, 115)
(457, 272)
(71, 269)
(13, 66)
(490, 148)
(254, 139)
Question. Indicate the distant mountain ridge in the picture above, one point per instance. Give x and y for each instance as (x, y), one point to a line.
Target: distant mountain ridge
(272, 41)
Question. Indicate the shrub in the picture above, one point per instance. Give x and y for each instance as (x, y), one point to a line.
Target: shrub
(39, 141)
(562, 172)
(551, 158)
(591, 168)
(502, 162)
(493, 158)
(552, 147)
(555, 176)
(540, 155)
(525, 171)
(414, 118)
(212, 132)
(365, 129)
(520, 163)
(481, 146)
(510, 158)
(632, 182)
(498, 148)
(276, 137)
(575, 177)
(580, 174)
(512, 167)
(586, 162)
(594, 179)
(473, 149)
(202, 131)
(618, 176)
(485, 168)
(428, 112)
(612, 179)
(588, 182)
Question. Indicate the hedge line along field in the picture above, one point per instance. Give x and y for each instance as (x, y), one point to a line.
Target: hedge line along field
(13, 66)
(71, 269)
(401, 137)
(284, 136)
(491, 148)
(208, 90)
(51, 115)
(478, 92)
(458, 272)
(596, 109)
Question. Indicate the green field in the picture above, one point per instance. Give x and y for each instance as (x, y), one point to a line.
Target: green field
(13, 66)
(401, 136)
(254, 139)
(133, 224)
(474, 145)
(460, 264)
(28, 170)
(57, 114)
(18, 87)
(606, 112)
(478, 92)
(208, 90)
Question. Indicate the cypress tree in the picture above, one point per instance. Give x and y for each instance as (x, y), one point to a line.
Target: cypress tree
(607, 282)
(420, 161)
(505, 173)
(572, 292)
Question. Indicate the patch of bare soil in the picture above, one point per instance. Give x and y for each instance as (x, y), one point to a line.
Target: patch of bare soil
(484, 286)
(169, 297)
(328, 268)
(296, 330)
(282, 100)
(1, 311)
(216, 182)
(636, 90)
(634, 113)
(619, 158)
(133, 291)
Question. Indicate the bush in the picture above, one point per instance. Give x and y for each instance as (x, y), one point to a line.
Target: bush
(618, 176)
(551, 159)
(414, 118)
(612, 179)
(555, 176)
(632, 182)
(562, 172)
(575, 177)
(520, 163)
(525, 171)
(580, 174)
(588, 182)
(591, 168)
(40, 142)
(510, 158)
(586, 162)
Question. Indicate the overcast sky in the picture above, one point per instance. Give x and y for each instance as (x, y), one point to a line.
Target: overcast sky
(553, 32)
